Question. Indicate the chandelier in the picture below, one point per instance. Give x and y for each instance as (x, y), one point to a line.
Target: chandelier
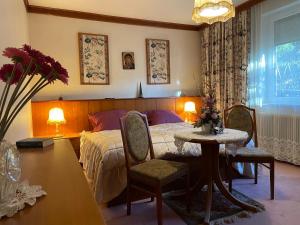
(211, 11)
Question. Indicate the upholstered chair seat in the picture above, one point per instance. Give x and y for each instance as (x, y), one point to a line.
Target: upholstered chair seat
(158, 172)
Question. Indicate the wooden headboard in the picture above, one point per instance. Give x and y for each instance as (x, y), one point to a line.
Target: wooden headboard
(76, 111)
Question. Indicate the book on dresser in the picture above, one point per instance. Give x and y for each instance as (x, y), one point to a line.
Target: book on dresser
(34, 142)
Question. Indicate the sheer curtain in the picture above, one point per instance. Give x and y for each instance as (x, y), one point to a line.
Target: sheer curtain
(274, 77)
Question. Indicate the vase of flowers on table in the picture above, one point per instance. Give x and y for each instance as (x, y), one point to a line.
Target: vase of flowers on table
(29, 72)
(210, 120)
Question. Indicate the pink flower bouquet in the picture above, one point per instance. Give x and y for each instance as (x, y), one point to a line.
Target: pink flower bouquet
(210, 115)
(29, 72)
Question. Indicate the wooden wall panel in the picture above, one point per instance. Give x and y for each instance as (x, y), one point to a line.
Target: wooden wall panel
(142, 105)
(76, 116)
(76, 111)
(126, 104)
(95, 106)
(40, 112)
(166, 104)
(106, 105)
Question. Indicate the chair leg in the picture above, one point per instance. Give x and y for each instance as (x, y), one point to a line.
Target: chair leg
(230, 185)
(188, 193)
(229, 177)
(159, 206)
(151, 199)
(128, 200)
(272, 179)
(255, 172)
(213, 188)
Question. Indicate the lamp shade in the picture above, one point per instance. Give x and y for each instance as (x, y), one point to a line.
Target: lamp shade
(211, 11)
(190, 107)
(56, 116)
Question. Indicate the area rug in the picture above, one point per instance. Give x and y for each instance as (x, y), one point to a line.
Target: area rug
(222, 212)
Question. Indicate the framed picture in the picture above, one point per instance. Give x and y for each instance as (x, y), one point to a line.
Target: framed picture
(93, 55)
(158, 61)
(128, 60)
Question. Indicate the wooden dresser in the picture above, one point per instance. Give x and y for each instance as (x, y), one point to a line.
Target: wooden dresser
(68, 200)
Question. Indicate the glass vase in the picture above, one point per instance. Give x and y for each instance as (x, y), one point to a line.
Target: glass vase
(10, 170)
(206, 128)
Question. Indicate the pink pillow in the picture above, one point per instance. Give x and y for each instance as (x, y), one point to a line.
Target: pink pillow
(107, 120)
(156, 117)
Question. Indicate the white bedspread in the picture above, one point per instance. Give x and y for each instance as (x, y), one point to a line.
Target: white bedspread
(103, 159)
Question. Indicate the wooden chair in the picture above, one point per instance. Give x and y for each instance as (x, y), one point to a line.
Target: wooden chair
(243, 118)
(144, 172)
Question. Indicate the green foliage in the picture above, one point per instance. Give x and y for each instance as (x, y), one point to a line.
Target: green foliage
(287, 69)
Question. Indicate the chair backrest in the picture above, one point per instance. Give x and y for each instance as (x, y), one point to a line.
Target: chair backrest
(136, 138)
(241, 117)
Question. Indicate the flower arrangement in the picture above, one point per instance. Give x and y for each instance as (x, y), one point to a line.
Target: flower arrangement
(27, 64)
(210, 119)
(29, 72)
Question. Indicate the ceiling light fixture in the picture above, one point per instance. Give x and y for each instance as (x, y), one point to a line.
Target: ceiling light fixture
(211, 11)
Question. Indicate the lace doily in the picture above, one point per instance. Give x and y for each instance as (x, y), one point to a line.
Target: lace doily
(229, 136)
(25, 194)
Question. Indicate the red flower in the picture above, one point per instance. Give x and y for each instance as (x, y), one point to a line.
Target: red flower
(37, 55)
(46, 65)
(7, 71)
(17, 55)
(63, 78)
(62, 72)
(39, 60)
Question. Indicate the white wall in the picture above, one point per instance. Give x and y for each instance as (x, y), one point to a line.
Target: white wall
(14, 33)
(57, 36)
(270, 5)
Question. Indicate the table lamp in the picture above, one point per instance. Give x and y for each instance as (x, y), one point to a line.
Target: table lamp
(56, 116)
(189, 108)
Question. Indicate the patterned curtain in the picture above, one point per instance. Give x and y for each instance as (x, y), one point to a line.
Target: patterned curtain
(225, 58)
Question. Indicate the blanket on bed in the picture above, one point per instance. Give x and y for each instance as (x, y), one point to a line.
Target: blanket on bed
(103, 159)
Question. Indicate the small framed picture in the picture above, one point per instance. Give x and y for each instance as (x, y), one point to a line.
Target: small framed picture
(128, 60)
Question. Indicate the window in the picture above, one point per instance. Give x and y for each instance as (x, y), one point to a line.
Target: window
(287, 57)
(287, 70)
(274, 71)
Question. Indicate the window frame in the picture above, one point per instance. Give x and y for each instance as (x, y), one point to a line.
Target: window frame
(268, 43)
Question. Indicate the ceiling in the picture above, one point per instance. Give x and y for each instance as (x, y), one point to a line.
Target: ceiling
(176, 11)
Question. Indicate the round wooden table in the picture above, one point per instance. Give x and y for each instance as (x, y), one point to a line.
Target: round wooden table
(210, 152)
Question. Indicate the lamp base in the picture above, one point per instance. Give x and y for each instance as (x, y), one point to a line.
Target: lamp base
(58, 135)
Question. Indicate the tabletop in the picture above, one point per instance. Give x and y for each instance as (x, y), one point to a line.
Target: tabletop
(68, 201)
(197, 136)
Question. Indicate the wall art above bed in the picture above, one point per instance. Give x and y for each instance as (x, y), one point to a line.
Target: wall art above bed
(158, 61)
(128, 60)
(93, 55)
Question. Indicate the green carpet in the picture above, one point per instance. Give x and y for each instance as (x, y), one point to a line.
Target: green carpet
(222, 212)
